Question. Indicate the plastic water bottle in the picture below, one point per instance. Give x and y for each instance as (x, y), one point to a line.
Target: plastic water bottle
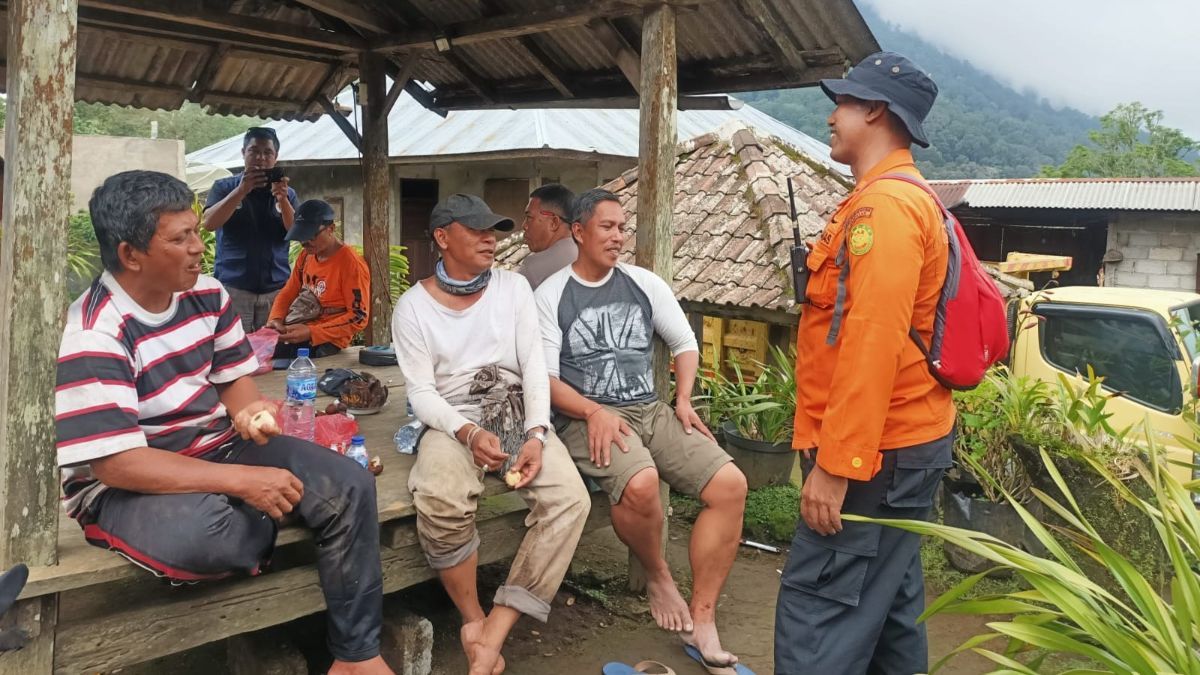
(299, 410)
(406, 437)
(358, 451)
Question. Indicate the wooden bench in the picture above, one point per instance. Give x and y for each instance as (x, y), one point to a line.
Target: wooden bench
(112, 613)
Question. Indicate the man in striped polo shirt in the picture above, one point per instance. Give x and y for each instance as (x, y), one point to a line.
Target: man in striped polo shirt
(161, 460)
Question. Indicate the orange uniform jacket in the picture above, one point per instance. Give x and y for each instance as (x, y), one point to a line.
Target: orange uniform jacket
(871, 389)
(343, 285)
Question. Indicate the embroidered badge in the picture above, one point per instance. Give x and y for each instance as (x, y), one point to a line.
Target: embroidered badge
(861, 239)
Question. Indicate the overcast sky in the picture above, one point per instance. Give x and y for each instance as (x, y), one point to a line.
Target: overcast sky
(1089, 54)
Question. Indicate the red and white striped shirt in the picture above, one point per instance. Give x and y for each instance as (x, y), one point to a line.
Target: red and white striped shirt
(128, 378)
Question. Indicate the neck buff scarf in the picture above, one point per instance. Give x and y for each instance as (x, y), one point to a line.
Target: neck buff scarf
(456, 287)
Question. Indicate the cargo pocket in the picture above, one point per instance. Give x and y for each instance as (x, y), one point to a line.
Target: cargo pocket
(833, 567)
(919, 470)
(823, 278)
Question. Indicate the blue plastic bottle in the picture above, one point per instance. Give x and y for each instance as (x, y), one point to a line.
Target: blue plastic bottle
(299, 409)
(358, 451)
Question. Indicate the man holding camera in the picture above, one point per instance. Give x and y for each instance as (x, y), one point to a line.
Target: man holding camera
(251, 213)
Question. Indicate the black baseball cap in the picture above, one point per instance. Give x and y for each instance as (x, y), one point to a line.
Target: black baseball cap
(469, 210)
(311, 216)
(892, 78)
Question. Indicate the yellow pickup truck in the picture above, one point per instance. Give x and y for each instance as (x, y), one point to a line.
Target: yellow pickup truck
(1144, 343)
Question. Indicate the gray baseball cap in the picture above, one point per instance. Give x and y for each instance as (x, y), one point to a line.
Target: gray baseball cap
(892, 78)
(470, 211)
(311, 216)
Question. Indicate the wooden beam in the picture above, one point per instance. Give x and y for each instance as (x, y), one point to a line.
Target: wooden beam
(195, 15)
(340, 120)
(212, 65)
(37, 187)
(777, 37)
(400, 80)
(352, 13)
(610, 103)
(626, 58)
(529, 46)
(377, 191)
(473, 79)
(252, 101)
(656, 187)
(507, 26)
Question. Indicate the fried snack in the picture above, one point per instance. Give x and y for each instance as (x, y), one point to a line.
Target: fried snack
(512, 478)
(375, 466)
(264, 423)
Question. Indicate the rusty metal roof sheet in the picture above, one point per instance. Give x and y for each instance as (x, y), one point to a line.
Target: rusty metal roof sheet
(1109, 194)
(734, 254)
(279, 58)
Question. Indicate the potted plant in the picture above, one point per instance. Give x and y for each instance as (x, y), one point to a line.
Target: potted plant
(754, 417)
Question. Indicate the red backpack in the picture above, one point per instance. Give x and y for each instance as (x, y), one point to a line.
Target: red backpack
(970, 331)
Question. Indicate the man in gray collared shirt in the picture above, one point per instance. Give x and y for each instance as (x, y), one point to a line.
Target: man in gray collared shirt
(547, 233)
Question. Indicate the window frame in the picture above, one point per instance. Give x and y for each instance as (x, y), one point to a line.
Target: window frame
(1049, 310)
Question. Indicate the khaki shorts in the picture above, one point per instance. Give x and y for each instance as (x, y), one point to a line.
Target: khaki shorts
(685, 461)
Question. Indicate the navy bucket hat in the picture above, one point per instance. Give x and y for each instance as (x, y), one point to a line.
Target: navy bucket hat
(893, 79)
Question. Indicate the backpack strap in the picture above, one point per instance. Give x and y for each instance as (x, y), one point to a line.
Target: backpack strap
(843, 259)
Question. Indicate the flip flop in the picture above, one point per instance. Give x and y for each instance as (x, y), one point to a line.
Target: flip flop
(616, 668)
(714, 668)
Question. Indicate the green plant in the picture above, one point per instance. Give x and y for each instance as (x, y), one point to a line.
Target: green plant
(762, 409)
(83, 252)
(1066, 611)
(772, 512)
(989, 416)
(1082, 413)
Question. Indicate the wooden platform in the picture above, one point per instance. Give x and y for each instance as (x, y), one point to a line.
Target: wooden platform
(113, 613)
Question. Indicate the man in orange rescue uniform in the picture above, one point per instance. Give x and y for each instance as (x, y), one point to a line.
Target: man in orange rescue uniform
(875, 428)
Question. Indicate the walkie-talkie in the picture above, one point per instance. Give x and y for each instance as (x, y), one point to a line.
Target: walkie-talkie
(799, 253)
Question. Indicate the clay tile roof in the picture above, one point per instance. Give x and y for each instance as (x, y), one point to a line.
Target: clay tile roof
(733, 229)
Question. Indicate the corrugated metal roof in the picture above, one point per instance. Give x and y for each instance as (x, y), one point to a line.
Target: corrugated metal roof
(417, 132)
(276, 58)
(1114, 194)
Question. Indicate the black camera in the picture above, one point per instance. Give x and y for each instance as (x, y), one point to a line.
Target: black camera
(274, 175)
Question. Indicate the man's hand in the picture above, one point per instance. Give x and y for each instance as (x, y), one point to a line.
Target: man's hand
(821, 501)
(243, 422)
(486, 451)
(604, 429)
(273, 491)
(529, 462)
(295, 334)
(280, 189)
(690, 420)
(275, 325)
(251, 179)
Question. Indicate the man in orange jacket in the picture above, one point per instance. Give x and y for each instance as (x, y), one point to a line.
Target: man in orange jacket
(874, 425)
(327, 297)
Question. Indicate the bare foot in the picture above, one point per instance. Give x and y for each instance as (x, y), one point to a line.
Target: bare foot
(471, 636)
(667, 606)
(705, 639)
(375, 666)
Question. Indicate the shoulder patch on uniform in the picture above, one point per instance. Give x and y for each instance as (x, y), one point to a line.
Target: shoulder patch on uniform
(861, 239)
(859, 213)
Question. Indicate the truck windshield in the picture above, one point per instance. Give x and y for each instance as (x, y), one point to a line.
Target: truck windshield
(1186, 321)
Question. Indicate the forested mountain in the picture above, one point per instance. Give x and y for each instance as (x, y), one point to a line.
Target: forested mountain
(979, 127)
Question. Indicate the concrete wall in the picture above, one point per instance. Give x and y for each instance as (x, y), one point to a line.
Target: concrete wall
(345, 182)
(95, 158)
(1159, 250)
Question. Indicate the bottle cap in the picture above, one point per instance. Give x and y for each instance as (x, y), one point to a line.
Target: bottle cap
(302, 353)
(357, 440)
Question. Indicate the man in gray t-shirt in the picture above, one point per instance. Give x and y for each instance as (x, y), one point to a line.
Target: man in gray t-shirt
(548, 233)
(598, 320)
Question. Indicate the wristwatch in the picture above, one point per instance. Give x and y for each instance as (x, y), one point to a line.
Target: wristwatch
(538, 433)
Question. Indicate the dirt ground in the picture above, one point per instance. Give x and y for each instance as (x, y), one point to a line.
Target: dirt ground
(595, 620)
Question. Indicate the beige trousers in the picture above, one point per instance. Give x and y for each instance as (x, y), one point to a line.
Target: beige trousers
(446, 484)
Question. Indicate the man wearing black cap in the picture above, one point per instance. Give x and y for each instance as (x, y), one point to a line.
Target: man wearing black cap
(325, 301)
(873, 424)
(251, 213)
(468, 343)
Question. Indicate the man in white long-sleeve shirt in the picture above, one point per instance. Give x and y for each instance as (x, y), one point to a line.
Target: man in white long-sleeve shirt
(467, 340)
(598, 320)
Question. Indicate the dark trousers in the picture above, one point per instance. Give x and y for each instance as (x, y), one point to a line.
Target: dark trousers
(288, 351)
(191, 537)
(848, 603)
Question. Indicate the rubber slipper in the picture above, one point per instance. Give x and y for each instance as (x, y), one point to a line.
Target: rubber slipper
(616, 668)
(715, 668)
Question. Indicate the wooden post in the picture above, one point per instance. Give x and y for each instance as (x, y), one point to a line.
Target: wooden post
(656, 187)
(376, 194)
(37, 191)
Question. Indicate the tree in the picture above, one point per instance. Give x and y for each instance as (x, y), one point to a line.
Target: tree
(1131, 142)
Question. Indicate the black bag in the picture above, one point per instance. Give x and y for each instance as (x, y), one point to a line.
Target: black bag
(335, 379)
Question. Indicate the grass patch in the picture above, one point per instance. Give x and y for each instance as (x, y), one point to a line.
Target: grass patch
(771, 512)
(941, 577)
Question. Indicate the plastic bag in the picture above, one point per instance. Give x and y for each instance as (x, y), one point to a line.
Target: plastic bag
(335, 431)
(262, 343)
